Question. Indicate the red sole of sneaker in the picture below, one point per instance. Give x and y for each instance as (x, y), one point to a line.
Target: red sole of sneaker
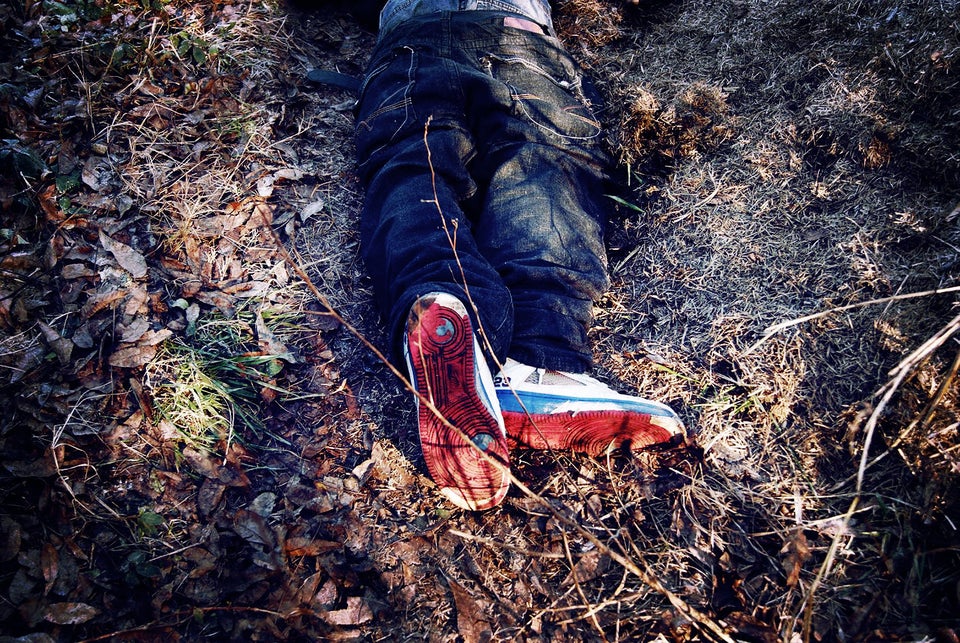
(441, 351)
(590, 432)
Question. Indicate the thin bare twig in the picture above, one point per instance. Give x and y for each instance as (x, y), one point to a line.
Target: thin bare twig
(776, 328)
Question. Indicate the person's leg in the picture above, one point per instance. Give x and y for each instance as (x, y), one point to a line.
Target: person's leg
(541, 226)
(544, 204)
(413, 150)
(426, 269)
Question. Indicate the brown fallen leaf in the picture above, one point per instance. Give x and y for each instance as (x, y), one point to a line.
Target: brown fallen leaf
(471, 624)
(129, 258)
(357, 612)
(133, 356)
(69, 613)
(795, 552)
(49, 565)
(302, 546)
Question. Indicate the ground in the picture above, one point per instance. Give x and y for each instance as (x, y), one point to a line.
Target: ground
(200, 439)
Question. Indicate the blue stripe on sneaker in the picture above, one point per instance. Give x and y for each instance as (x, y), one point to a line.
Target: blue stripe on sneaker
(542, 403)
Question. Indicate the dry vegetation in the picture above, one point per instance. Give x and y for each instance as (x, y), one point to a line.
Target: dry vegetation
(195, 447)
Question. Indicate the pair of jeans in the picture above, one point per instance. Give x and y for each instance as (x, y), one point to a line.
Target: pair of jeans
(485, 177)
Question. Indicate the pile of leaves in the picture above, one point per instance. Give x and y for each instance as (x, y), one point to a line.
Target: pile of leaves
(200, 439)
(149, 318)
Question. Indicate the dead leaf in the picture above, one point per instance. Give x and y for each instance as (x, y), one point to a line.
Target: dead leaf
(268, 342)
(61, 346)
(471, 624)
(356, 612)
(795, 552)
(591, 566)
(133, 356)
(302, 546)
(311, 209)
(129, 259)
(69, 613)
(49, 205)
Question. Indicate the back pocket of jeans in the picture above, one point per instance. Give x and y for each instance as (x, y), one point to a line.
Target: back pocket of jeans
(551, 99)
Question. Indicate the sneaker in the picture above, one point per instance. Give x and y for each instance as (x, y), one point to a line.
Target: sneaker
(558, 410)
(448, 369)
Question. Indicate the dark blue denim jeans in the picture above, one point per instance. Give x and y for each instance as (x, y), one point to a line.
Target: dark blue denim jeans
(484, 176)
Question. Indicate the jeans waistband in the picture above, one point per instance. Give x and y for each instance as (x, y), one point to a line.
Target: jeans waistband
(396, 12)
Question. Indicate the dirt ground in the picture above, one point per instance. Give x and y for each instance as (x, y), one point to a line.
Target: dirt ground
(199, 438)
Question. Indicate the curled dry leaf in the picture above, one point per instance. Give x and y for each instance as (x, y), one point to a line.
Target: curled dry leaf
(795, 552)
(129, 259)
(61, 346)
(304, 546)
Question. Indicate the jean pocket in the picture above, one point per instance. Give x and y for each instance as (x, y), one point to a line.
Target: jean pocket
(550, 98)
(385, 103)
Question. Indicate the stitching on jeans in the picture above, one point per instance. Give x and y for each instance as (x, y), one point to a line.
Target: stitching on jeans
(522, 98)
(404, 103)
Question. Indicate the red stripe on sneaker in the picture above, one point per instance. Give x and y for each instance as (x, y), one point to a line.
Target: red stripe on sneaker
(590, 432)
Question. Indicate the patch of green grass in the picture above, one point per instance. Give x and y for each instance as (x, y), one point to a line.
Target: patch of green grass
(208, 386)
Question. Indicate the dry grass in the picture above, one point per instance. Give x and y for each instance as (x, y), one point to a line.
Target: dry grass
(790, 173)
(764, 182)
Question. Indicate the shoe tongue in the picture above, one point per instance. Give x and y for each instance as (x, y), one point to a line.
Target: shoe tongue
(557, 378)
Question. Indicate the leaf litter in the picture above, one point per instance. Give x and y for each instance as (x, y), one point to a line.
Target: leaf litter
(194, 446)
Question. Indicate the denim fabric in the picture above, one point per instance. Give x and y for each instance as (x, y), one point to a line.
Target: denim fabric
(484, 176)
(396, 12)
